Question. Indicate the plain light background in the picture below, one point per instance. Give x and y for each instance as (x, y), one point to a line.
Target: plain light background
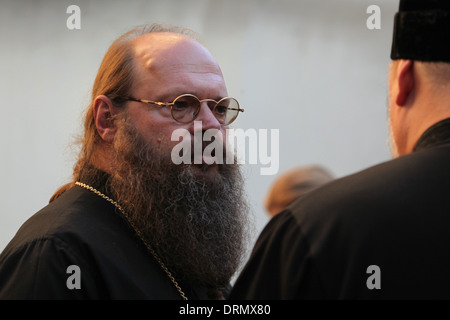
(310, 68)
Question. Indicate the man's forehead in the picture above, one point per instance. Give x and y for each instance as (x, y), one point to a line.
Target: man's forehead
(171, 51)
(165, 62)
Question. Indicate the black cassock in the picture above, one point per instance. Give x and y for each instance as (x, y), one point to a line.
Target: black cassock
(382, 233)
(80, 236)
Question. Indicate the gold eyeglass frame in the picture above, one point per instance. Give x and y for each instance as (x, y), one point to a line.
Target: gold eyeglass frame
(171, 104)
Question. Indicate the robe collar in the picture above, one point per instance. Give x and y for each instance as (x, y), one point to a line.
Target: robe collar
(437, 135)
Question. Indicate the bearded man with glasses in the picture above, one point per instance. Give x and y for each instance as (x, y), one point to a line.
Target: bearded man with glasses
(135, 225)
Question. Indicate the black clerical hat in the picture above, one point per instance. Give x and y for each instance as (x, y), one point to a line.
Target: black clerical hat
(422, 31)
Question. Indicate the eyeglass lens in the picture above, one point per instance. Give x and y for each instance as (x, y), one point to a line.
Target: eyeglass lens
(186, 108)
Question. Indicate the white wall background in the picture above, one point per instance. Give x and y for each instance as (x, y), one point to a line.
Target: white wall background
(310, 68)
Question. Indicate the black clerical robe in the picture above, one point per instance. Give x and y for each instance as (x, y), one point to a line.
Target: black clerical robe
(383, 233)
(79, 247)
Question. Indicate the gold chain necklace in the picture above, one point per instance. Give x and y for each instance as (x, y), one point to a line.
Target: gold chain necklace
(149, 248)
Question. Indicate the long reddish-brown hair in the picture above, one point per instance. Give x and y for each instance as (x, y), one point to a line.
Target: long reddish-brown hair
(114, 79)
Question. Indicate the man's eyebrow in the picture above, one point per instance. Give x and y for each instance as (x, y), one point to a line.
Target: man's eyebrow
(169, 97)
(166, 98)
(217, 98)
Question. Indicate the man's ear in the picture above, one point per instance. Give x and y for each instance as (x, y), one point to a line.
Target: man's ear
(405, 81)
(103, 117)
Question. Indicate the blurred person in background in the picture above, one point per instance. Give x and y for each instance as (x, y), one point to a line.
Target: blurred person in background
(293, 184)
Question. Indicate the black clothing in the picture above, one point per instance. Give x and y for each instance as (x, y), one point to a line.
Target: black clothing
(395, 216)
(80, 228)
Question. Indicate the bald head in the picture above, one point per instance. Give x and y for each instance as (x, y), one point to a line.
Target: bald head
(173, 59)
(152, 49)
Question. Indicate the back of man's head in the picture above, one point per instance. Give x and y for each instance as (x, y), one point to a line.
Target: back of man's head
(420, 72)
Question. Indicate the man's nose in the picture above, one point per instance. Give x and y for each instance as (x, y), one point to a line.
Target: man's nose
(206, 116)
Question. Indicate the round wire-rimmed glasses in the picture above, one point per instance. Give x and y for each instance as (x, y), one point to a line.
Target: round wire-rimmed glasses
(186, 107)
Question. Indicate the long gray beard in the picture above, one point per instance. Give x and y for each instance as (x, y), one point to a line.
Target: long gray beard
(196, 225)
